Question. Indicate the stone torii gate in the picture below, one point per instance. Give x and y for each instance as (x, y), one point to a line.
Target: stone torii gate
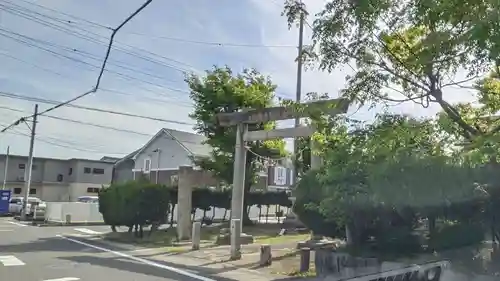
(241, 120)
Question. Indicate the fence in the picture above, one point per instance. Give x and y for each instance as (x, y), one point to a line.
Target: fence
(57, 212)
(89, 213)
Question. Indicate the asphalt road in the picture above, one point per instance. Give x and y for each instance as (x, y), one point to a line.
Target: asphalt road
(29, 253)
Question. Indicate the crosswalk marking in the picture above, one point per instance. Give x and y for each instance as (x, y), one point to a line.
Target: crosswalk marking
(64, 279)
(87, 231)
(10, 261)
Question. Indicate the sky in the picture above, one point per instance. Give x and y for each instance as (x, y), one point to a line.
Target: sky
(51, 50)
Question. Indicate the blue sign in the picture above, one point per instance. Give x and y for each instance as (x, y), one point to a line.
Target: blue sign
(4, 201)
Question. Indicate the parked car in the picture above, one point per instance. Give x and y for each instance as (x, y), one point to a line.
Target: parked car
(16, 206)
(88, 199)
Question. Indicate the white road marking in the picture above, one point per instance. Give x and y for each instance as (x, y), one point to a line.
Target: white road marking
(63, 279)
(87, 231)
(6, 230)
(10, 261)
(141, 260)
(16, 223)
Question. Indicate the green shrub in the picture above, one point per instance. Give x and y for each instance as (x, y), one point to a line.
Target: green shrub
(457, 235)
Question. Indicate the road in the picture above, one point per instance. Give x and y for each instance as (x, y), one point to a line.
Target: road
(29, 253)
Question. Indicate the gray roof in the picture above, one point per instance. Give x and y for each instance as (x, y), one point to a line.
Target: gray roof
(193, 143)
(109, 159)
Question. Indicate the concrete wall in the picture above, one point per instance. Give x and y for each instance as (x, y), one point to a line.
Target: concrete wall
(82, 174)
(55, 171)
(51, 192)
(83, 189)
(79, 212)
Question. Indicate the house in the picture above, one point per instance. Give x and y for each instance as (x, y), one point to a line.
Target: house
(56, 179)
(159, 160)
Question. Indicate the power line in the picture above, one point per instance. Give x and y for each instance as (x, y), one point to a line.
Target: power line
(47, 101)
(170, 101)
(82, 122)
(65, 143)
(108, 51)
(72, 147)
(62, 13)
(116, 63)
(212, 43)
(177, 39)
(120, 74)
(92, 37)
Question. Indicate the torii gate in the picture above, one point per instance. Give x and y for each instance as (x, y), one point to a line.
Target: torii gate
(254, 116)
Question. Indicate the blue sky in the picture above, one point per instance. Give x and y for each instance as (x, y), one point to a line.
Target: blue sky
(145, 71)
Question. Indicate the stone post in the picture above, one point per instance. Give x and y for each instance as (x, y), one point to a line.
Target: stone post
(235, 239)
(196, 237)
(184, 202)
(266, 257)
(305, 259)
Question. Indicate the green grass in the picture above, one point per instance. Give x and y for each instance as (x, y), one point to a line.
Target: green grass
(263, 234)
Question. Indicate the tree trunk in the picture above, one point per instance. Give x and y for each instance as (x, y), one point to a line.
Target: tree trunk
(113, 228)
(225, 214)
(213, 213)
(267, 213)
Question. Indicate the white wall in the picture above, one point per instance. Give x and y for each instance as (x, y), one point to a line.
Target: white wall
(79, 212)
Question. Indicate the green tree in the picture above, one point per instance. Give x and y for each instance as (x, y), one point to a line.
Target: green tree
(221, 91)
(408, 51)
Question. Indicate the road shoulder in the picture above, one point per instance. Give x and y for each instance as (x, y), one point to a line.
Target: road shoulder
(212, 262)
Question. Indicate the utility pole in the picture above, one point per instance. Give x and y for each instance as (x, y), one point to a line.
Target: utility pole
(6, 169)
(29, 167)
(298, 91)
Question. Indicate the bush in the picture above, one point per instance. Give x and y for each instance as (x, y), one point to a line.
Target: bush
(316, 222)
(306, 207)
(134, 203)
(456, 235)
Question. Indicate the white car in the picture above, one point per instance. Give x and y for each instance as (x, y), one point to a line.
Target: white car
(16, 206)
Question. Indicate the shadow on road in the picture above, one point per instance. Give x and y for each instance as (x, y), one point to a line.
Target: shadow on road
(123, 264)
(53, 244)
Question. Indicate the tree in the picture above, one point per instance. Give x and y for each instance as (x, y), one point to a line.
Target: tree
(222, 91)
(409, 51)
(381, 175)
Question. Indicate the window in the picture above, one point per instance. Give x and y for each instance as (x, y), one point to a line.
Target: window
(22, 166)
(15, 201)
(280, 175)
(32, 191)
(60, 177)
(17, 190)
(87, 170)
(92, 189)
(70, 171)
(98, 171)
(147, 165)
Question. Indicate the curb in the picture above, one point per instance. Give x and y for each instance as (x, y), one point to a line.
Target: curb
(43, 224)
